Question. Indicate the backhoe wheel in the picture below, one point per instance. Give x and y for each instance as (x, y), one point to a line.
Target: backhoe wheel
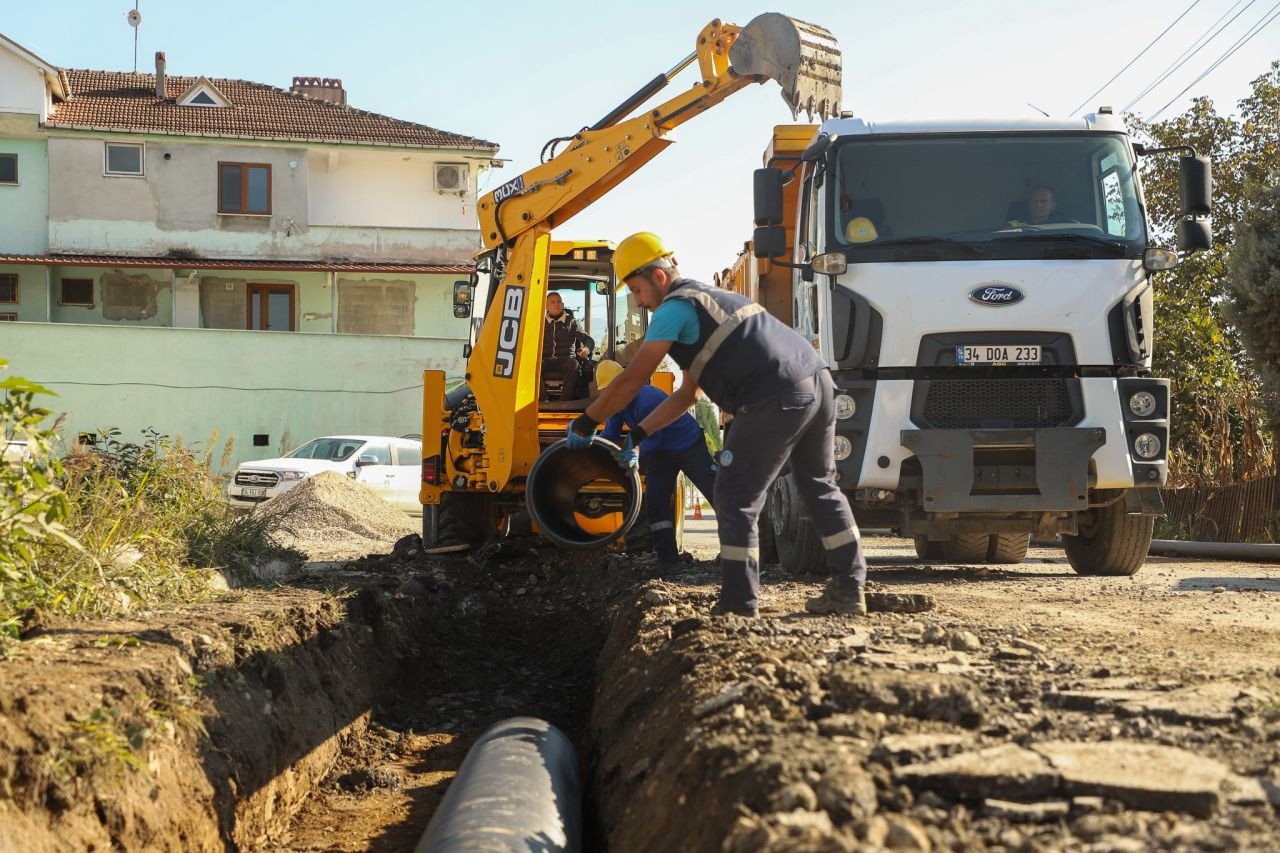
(965, 548)
(798, 544)
(461, 519)
(1008, 548)
(929, 550)
(1111, 542)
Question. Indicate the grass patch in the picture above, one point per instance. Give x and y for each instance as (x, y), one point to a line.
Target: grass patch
(113, 527)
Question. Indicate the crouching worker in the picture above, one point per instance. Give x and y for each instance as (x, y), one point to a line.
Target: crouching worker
(679, 446)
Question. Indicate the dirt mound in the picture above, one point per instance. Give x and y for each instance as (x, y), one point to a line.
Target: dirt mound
(332, 517)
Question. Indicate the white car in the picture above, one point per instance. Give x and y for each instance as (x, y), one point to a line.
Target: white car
(391, 467)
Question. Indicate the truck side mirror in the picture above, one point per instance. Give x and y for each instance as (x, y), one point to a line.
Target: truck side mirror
(769, 242)
(767, 193)
(463, 292)
(1193, 235)
(1195, 184)
(366, 460)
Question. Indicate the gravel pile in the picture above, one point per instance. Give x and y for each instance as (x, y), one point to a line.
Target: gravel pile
(332, 517)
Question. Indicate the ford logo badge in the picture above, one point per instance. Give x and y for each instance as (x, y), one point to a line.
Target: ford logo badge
(996, 294)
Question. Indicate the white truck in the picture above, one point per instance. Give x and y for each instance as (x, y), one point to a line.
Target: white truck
(983, 292)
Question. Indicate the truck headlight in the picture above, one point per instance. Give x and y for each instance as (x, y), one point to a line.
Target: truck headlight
(1143, 404)
(1147, 445)
(845, 407)
(292, 475)
(843, 448)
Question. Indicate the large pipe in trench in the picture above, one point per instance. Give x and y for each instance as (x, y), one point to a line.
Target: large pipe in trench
(517, 790)
(575, 496)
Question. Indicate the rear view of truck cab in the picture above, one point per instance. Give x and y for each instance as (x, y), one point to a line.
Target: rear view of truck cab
(984, 294)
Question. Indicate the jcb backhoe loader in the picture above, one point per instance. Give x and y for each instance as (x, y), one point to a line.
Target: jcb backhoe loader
(482, 440)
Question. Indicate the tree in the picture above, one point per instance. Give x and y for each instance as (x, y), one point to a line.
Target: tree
(1217, 431)
(1253, 291)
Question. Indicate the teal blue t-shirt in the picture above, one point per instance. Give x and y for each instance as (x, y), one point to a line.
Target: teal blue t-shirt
(675, 320)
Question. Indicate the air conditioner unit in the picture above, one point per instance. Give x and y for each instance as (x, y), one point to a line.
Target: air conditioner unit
(451, 177)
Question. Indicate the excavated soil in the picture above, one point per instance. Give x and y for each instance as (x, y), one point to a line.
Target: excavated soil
(332, 517)
(1032, 709)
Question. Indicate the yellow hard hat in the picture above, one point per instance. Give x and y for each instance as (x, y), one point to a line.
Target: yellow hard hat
(860, 230)
(606, 372)
(636, 252)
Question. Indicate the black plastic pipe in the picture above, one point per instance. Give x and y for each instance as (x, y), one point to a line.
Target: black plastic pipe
(554, 492)
(517, 790)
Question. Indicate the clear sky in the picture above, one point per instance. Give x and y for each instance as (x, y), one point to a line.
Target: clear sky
(521, 73)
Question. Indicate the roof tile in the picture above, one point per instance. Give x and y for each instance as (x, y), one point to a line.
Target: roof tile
(118, 100)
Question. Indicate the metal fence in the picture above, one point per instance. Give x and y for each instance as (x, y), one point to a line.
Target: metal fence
(1248, 511)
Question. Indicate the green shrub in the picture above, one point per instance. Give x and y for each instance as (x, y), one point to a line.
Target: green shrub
(118, 525)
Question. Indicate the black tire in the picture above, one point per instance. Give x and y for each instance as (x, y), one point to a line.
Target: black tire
(462, 519)
(1111, 542)
(798, 544)
(1008, 548)
(927, 550)
(965, 548)
(768, 540)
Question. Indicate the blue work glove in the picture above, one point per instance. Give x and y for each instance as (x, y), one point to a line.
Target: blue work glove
(629, 454)
(581, 432)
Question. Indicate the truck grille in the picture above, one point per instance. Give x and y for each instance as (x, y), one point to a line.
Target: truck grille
(997, 403)
(257, 478)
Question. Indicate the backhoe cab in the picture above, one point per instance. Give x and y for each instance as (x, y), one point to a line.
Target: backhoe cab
(492, 429)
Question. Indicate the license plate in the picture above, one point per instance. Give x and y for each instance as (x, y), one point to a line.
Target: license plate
(252, 493)
(998, 354)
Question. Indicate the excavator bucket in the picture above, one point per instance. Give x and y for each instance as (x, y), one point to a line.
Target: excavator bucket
(803, 58)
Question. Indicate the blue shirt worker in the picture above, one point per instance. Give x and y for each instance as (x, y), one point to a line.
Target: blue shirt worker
(780, 393)
(679, 446)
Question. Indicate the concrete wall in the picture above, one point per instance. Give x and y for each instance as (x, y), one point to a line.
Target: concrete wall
(376, 208)
(190, 382)
(31, 296)
(136, 297)
(24, 207)
(21, 85)
(391, 189)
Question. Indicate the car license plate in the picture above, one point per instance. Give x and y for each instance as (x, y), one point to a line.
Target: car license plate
(252, 493)
(998, 354)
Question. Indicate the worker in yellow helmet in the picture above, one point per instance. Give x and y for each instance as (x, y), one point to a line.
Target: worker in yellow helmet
(778, 389)
(678, 447)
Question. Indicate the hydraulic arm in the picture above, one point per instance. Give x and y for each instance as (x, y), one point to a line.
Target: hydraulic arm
(516, 219)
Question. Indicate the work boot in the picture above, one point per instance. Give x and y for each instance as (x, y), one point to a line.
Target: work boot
(846, 599)
(675, 564)
(723, 609)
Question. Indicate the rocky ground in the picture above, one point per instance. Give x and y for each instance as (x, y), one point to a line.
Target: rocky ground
(1030, 709)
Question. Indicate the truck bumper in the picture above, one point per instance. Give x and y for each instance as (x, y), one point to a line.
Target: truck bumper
(955, 480)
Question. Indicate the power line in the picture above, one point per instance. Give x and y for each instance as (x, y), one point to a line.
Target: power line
(1240, 42)
(1135, 59)
(1187, 55)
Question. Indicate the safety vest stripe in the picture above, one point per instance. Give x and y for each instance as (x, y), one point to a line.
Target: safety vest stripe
(839, 540)
(719, 336)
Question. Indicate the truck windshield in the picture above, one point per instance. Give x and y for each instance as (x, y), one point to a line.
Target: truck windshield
(984, 196)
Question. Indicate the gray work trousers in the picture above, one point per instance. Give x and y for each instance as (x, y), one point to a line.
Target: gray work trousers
(797, 426)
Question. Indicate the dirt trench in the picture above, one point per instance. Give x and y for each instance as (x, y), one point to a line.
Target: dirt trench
(325, 715)
(331, 714)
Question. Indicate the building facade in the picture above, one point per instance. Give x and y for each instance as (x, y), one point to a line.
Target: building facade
(154, 230)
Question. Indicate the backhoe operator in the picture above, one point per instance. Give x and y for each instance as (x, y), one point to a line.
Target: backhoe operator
(564, 346)
(780, 393)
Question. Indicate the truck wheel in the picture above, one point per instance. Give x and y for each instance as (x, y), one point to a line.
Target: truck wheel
(965, 548)
(798, 544)
(462, 519)
(929, 550)
(768, 540)
(1111, 542)
(1007, 548)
